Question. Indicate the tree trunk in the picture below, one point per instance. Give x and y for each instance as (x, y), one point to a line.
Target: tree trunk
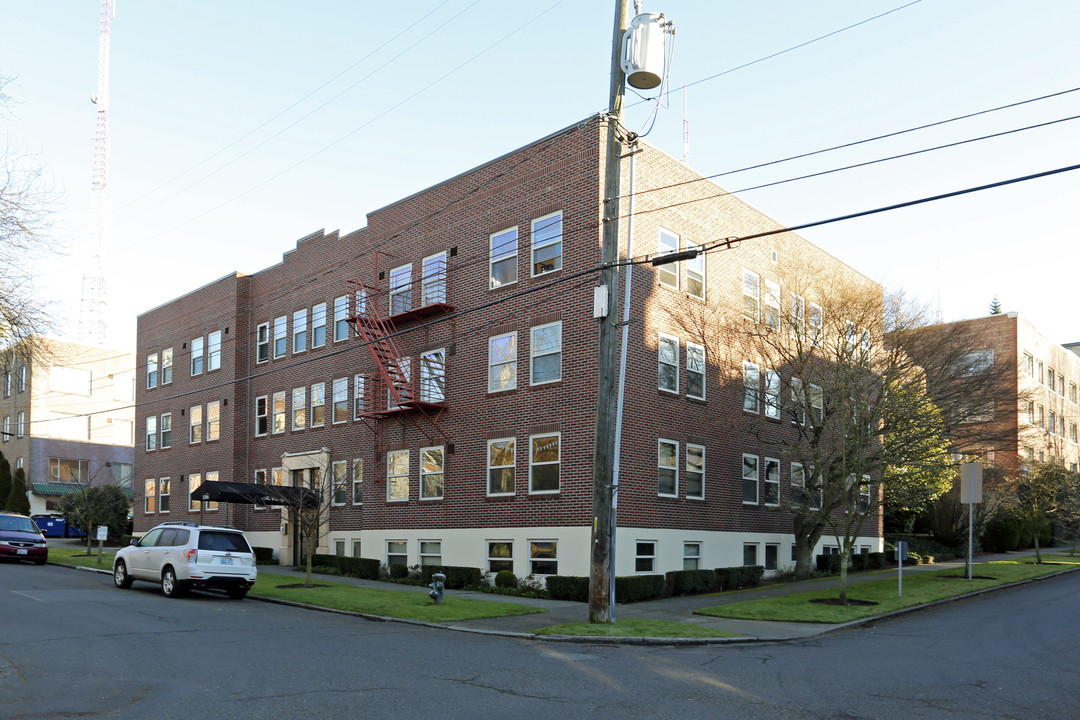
(1037, 527)
(807, 534)
(843, 573)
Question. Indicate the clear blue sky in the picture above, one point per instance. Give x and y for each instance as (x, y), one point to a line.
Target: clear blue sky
(414, 93)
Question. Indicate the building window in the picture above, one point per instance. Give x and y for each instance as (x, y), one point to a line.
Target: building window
(361, 303)
(357, 482)
(1051, 378)
(151, 433)
(299, 331)
(20, 423)
(195, 424)
(150, 496)
(318, 404)
(1039, 375)
(815, 323)
(772, 554)
(749, 554)
(431, 473)
(318, 325)
(546, 351)
(262, 421)
(816, 399)
(501, 465)
(433, 279)
(547, 244)
(667, 274)
(751, 294)
(279, 412)
(667, 354)
(695, 371)
(396, 553)
(359, 387)
(798, 316)
(213, 420)
(695, 272)
(1029, 365)
(772, 482)
(644, 556)
(404, 372)
(771, 305)
(667, 468)
(1072, 431)
(401, 289)
(69, 471)
(151, 371)
(213, 350)
(397, 475)
(433, 376)
(544, 463)
(121, 474)
(7, 428)
(503, 258)
(341, 317)
(163, 495)
(198, 346)
(340, 471)
(695, 471)
(299, 408)
(1053, 422)
(500, 555)
(502, 362)
(166, 366)
(430, 553)
(166, 431)
(751, 386)
(7, 384)
(281, 336)
(544, 557)
(340, 391)
(772, 394)
(1072, 392)
(691, 555)
(749, 479)
(262, 342)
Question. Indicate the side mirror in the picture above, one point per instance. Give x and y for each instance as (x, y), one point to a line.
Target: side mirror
(135, 542)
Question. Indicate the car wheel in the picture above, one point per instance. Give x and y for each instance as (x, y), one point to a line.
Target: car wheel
(120, 575)
(39, 562)
(237, 593)
(170, 586)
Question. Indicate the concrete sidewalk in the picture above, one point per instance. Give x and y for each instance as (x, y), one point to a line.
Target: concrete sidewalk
(676, 609)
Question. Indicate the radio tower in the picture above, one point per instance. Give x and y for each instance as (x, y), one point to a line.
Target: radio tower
(92, 303)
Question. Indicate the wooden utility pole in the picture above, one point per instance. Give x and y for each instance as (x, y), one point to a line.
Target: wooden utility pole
(600, 605)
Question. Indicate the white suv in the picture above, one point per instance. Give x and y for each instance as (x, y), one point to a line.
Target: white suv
(185, 555)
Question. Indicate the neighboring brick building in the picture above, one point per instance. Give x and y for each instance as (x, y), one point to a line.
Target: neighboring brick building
(1039, 419)
(489, 279)
(67, 418)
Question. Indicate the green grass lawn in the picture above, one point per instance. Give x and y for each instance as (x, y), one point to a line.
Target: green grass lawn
(75, 555)
(385, 603)
(919, 588)
(639, 627)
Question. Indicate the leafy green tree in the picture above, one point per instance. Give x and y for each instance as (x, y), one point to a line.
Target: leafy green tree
(5, 481)
(1042, 491)
(17, 501)
(919, 468)
(96, 505)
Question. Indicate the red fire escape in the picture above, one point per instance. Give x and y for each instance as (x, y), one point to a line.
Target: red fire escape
(402, 386)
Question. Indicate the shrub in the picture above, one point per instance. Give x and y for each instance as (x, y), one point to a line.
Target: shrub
(568, 587)
(828, 563)
(1002, 534)
(506, 579)
(399, 571)
(365, 568)
(741, 576)
(635, 588)
(692, 582)
(457, 577)
(263, 555)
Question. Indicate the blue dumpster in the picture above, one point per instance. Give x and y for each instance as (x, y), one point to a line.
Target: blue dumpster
(51, 526)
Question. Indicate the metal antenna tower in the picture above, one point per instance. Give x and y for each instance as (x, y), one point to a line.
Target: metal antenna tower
(92, 303)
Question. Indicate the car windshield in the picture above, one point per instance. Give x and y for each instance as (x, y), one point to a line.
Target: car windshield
(18, 524)
(223, 541)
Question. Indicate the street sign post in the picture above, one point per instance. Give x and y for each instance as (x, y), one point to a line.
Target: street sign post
(970, 493)
(901, 556)
(102, 534)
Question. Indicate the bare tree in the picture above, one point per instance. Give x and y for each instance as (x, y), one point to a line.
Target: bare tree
(307, 503)
(1042, 492)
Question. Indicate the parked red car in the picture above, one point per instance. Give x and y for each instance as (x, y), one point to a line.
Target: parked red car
(21, 539)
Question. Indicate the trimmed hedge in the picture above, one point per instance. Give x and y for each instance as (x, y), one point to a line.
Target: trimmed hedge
(366, 568)
(741, 576)
(692, 582)
(828, 563)
(457, 577)
(568, 587)
(633, 588)
(263, 555)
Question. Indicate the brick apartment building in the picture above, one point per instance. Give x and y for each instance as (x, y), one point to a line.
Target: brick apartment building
(1039, 421)
(68, 418)
(473, 444)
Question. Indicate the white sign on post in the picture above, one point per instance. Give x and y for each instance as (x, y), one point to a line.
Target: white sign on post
(102, 533)
(971, 483)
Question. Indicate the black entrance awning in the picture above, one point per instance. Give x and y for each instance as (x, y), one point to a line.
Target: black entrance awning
(252, 494)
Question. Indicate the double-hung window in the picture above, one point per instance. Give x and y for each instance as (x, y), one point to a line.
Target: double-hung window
(279, 412)
(401, 289)
(771, 496)
(198, 346)
(163, 494)
(772, 394)
(341, 318)
(262, 422)
(359, 388)
(166, 366)
(667, 355)
(644, 556)
(695, 370)
(151, 433)
(816, 400)
(433, 279)
(771, 304)
(213, 420)
(318, 325)
(547, 244)
(213, 350)
(815, 323)
(503, 258)
(357, 482)
(340, 470)
(166, 431)
(299, 331)
(431, 472)
(433, 376)
(695, 471)
(667, 468)
(668, 274)
(262, 342)
(546, 350)
(151, 371)
(195, 424)
(281, 338)
(695, 272)
(751, 387)
(544, 557)
(544, 463)
(798, 316)
(397, 475)
(318, 404)
(751, 292)
(340, 398)
(750, 479)
(501, 464)
(299, 408)
(502, 362)
(500, 555)
(150, 496)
